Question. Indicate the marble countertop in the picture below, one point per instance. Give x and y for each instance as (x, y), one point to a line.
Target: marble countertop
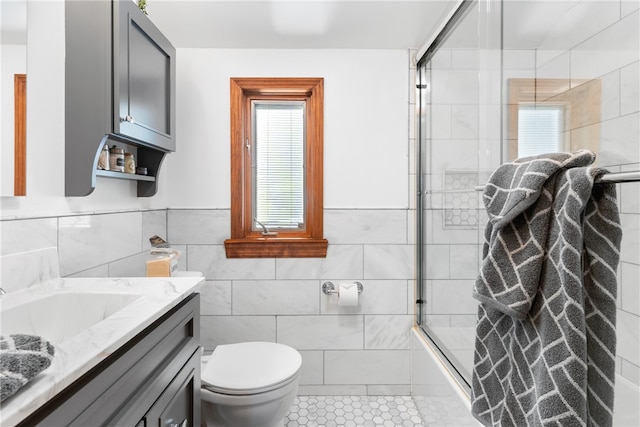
(77, 354)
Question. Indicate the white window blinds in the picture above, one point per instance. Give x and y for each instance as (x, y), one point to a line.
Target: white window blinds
(540, 129)
(278, 164)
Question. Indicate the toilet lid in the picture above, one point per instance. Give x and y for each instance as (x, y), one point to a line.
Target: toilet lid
(250, 367)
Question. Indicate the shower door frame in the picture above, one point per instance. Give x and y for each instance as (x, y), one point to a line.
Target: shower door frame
(423, 72)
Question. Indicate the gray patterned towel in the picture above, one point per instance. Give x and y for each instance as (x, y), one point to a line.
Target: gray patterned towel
(22, 357)
(545, 337)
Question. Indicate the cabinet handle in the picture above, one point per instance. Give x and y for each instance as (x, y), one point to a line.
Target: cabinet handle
(182, 424)
(128, 118)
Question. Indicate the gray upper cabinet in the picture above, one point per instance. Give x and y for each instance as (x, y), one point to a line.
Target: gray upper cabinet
(119, 89)
(143, 84)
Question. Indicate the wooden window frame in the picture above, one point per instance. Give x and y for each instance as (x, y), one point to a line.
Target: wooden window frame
(245, 242)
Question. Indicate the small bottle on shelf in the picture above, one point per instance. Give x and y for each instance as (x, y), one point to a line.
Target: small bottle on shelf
(103, 160)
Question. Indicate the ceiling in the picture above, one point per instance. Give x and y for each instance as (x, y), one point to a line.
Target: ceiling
(301, 24)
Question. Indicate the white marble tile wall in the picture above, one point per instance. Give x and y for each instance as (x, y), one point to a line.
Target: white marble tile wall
(617, 64)
(98, 245)
(275, 297)
(28, 234)
(346, 350)
(89, 240)
(628, 326)
(328, 332)
(368, 367)
(23, 269)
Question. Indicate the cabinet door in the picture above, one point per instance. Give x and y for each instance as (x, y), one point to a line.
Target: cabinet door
(179, 404)
(144, 78)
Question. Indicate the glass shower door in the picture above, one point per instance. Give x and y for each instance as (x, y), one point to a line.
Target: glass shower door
(459, 144)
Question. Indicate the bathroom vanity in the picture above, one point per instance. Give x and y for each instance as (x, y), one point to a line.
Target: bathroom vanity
(136, 364)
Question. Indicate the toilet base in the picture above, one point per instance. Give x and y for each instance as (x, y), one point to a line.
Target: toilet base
(213, 415)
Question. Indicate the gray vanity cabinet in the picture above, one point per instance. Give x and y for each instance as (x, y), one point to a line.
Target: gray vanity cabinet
(119, 89)
(153, 380)
(175, 407)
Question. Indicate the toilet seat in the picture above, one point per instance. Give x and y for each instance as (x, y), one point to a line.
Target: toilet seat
(250, 368)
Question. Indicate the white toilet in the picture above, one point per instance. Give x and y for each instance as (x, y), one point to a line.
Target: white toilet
(250, 384)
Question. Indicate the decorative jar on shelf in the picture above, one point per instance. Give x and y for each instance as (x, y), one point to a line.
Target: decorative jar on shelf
(116, 159)
(129, 163)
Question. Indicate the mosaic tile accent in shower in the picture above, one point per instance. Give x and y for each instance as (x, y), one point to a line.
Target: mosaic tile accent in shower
(355, 411)
(460, 199)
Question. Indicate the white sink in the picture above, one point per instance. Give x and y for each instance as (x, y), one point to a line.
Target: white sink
(87, 320)
(60, 316)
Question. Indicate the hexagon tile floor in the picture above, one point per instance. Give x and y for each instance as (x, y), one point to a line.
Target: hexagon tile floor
(353, 411)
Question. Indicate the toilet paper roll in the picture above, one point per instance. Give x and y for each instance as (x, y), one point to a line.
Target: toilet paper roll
(348, 296)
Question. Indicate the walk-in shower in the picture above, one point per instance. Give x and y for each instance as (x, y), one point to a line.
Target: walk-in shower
(500, 78)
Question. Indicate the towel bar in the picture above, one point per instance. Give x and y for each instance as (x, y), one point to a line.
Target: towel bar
(609, 178)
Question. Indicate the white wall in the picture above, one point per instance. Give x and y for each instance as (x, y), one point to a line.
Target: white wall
(366, 125)
(366, 129)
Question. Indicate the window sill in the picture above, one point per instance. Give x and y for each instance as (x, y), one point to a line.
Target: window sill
(274, 247)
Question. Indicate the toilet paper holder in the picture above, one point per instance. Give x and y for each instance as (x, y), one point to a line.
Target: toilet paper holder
(329, 288)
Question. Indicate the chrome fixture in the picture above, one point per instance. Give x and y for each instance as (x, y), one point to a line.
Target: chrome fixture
(329, 288)
(265, 230)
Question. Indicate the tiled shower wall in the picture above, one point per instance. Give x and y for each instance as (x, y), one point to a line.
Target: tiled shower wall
(607, 49)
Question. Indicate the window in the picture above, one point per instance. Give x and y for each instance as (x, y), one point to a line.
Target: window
(540, 129)
(276, 168)
(278, 159)
(550, 115)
